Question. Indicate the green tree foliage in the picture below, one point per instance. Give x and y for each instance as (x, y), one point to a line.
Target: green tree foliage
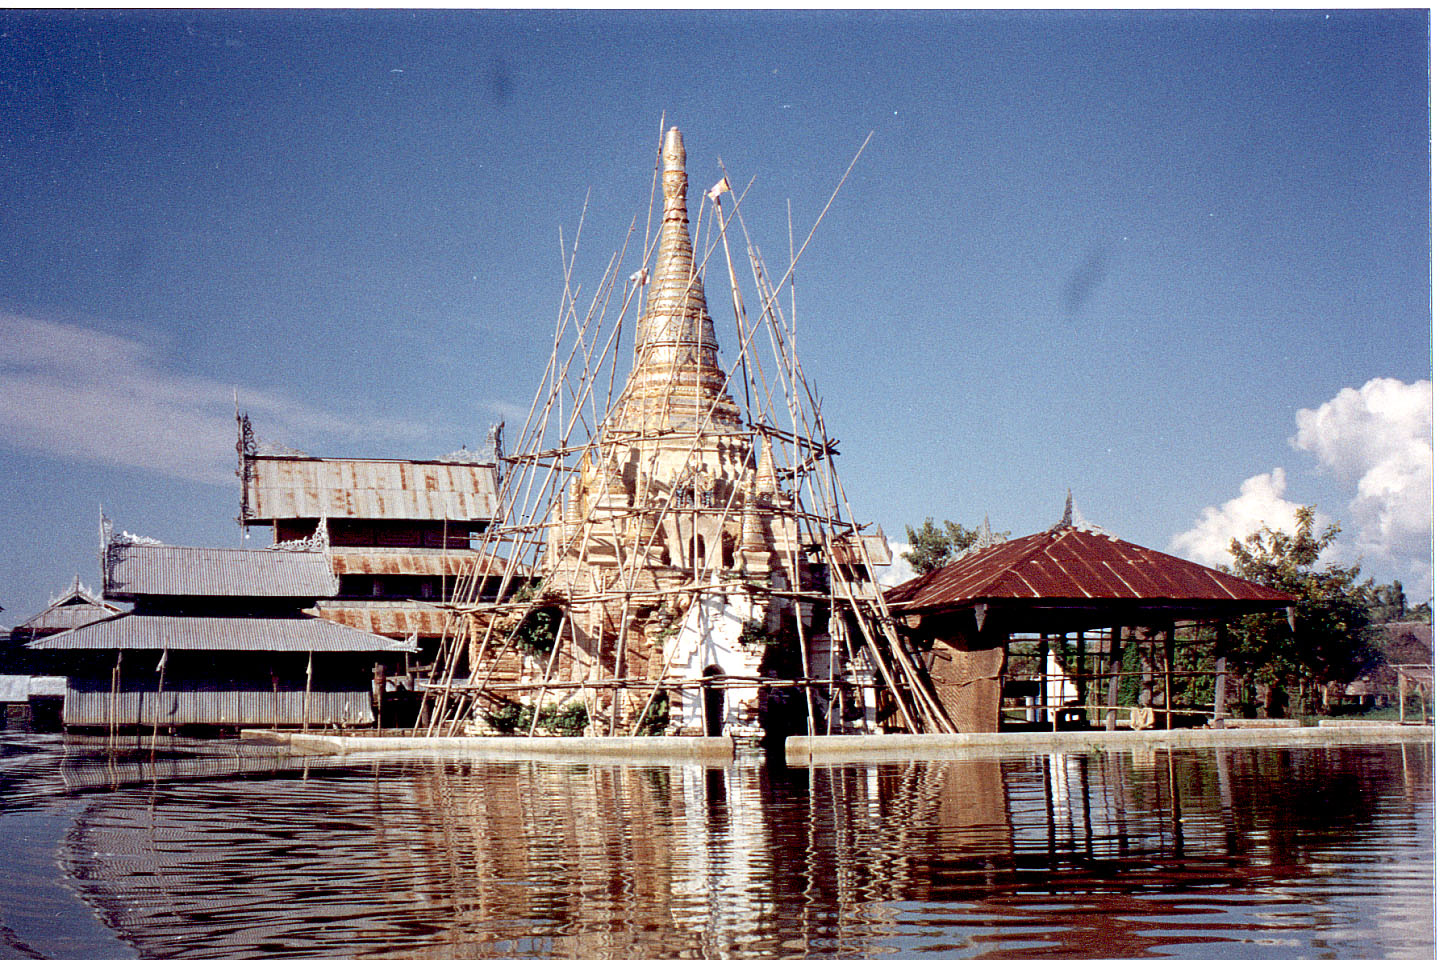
(931, 546)
(510, 718)
(1329, 641)
(537, 632)
(1388, 605)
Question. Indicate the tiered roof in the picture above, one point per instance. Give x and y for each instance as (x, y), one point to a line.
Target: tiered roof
(262, 592)
(293, 634)
(146, 569)
(285, 487)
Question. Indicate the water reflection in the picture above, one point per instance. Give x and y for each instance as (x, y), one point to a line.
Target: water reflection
(1268, 852)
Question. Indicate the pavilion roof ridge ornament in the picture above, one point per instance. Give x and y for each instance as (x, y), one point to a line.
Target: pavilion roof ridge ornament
(1072, 519)
(1068, 518)
(76, 591)
(987, 537)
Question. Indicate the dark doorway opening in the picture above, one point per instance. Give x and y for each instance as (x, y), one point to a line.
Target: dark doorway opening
(714, 702)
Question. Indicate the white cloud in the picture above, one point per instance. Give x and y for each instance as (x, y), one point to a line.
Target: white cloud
(899, 570)
(1378, 440)
(1261, 503)
(89, 396)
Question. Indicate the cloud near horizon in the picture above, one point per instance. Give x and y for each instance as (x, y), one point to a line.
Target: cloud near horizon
(1377, 441)
(1261, 503)
(94, 397)
(899, 570)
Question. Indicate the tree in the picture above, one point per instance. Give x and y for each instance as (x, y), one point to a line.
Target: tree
(1390, 606)
(932, 547)
(1387, 605)
(1329, 641)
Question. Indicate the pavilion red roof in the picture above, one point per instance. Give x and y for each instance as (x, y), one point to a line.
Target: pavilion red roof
(1070, 567)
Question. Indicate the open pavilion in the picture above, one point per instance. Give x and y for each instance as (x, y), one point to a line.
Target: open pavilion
(1068, 581)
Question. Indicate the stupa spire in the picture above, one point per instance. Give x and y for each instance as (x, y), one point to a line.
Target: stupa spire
(676, 378)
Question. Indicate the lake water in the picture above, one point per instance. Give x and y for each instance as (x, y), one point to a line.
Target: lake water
(227, 850)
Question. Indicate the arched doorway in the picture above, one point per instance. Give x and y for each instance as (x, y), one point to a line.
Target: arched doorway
(714, 701)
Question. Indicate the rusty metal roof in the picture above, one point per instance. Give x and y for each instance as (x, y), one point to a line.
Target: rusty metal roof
(414, 562)
(297, 634)
(155, 569)
(394, 618)
(1067, 566)
(298, 487)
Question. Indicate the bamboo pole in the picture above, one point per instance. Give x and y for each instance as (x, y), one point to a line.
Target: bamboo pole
(115, 698)
(159, 700)
(305, 707)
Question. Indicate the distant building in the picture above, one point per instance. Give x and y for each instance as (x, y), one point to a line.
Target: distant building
(30, 698)
(76, 607)
(1407, 652)
(217, 638)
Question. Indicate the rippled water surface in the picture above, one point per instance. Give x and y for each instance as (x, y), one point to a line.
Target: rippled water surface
(230, 850)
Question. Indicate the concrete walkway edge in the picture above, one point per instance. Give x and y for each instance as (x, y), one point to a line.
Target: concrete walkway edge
(699, 749)
(802, 751)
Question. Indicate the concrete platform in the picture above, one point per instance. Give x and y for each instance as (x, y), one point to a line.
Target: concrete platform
(806, 751)
(579, 749)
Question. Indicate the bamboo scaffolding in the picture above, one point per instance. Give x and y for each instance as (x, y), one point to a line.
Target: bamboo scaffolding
(574, 429)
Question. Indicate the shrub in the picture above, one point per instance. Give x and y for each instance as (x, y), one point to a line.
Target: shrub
(510, 717)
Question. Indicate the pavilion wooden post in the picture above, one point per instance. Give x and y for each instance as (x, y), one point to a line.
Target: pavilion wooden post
(1112, 695)
(1400, 675)
(1222, 645)
(1169, 668)
(1044, 674)
(1082, 688)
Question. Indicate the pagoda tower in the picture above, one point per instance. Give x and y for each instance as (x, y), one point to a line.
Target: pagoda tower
(674, 506)
(675, 383)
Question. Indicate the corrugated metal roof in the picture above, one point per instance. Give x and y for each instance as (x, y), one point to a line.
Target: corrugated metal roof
(1070, 564)
(14, 688)
(848, 549)
(75, 607)
(286, 488)
(149, 569)
(300, 634)
(67, 616)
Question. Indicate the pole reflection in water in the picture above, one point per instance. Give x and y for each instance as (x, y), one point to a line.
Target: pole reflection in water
(1269, 853)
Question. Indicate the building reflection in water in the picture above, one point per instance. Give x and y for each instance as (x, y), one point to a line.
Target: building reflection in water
(1066, 855)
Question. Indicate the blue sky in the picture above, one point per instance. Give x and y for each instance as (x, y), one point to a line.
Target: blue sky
(1176, 262)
